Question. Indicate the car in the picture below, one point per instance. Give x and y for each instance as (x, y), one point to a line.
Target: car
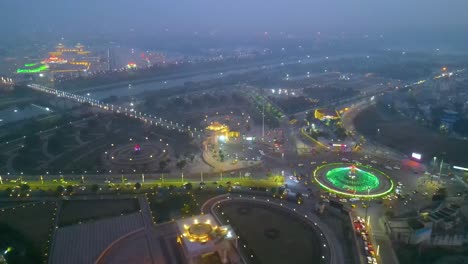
(313, 162)
(358, 227)
(345, 159)
(388, 168)
(373, 161)
(396, 167)
(300, 165)
(343, 200)
(324, 162)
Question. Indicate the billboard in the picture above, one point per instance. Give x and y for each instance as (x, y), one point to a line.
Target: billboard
(416, 156)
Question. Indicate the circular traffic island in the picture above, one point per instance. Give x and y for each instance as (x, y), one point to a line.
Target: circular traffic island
(353, 180)
(135, 154)
(269, 233)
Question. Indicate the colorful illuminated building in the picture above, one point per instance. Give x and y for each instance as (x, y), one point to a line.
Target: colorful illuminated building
(61, 60)
(326, 114)
(221, 132)
(202, 240)
(33, 68)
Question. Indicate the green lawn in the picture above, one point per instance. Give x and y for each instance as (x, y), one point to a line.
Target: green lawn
(32, 221)
(272, 235)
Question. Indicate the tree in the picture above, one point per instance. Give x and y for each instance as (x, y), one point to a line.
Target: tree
(69, 189)
(162, 165)
(59, 190)
(137, 186)
(94, 187)
(181, 164)
(185, 209)
(340, 133)
(24, 188)
(188, 186)
(273, 190)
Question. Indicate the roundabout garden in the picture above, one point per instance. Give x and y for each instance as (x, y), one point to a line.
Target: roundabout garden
(353, 180)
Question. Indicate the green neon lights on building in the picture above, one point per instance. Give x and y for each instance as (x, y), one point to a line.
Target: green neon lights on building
(30, 64)
(41, 68)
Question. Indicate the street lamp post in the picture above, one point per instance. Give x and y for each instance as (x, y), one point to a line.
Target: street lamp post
(441, 166)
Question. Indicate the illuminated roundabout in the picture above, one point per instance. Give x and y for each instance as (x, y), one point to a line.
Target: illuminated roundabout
(136, 154)
(353, 180)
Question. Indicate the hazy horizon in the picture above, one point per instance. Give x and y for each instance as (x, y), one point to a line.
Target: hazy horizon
(232, 17)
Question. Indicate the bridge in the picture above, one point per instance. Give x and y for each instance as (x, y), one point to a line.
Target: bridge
(147, 118)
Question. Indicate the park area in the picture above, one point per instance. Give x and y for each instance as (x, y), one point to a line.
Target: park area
(272, 235)
(26, 229)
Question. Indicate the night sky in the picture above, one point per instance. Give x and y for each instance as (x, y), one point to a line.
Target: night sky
(233, 16)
